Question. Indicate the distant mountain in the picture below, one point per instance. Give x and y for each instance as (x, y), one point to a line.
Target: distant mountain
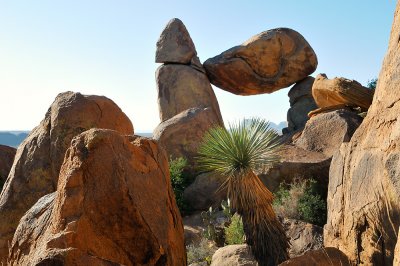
(12, 138)
(279, 127)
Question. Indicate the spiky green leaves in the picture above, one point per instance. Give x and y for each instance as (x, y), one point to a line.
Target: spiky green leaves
(247, 145)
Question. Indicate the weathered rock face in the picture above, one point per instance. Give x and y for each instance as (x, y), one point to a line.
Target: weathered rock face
(296, 163)
(265, 63)
(181, 87)
(205, 191)
(364, 186)
(175, 44)
(301, 103)
(114, 205)
(182, 134)
(396, 260)
(326, 132)
(330, 92)
(7, 155)
(303, 237)
(321, 257)
(38, 160)
(237, 255)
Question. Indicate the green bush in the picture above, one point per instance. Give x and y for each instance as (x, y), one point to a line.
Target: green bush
(301, 200)
(371, 84)
(200, 252)
(234, 233)
(180, 180)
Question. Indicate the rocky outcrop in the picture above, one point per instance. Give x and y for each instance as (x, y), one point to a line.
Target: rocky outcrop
(296, 163)
(114, 205)
(265, 63)
(321, 257)
(233, 255)
(175, 44)
(38, 160)
(181, 87)
(364, 185)
(326, 132)
(182, 134)
(205, 191)
(303, 236)
(396, 260)
(301, 103)
(7, 155)
(187, 103)
(330, 92)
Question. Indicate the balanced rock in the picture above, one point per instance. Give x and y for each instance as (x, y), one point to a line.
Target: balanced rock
(233, 255)
(175, 44)
(38, 160)
(7, 155)
(182, 134)
(205, 191)
(181, 87)
(320, 257)
(301, 103)
(330, 92)
(265, 63)
(364, 185)
(303, 236)
(114, 205)
(326, 132)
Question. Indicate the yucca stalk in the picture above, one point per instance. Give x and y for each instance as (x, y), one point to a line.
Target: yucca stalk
(236, 153)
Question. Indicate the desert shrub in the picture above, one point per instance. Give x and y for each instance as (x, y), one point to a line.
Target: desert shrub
(301, 200)
(234, 233)
(371, 84)
(203, 251)
(180, 180)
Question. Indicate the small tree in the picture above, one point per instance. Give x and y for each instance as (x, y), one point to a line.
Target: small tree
(372, 83)
(236, 153)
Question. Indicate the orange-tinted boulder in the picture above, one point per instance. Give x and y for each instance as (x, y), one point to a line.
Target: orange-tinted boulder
(265, 63)
(114, 205)
(7, 155)
(38, 160)
(320, 257)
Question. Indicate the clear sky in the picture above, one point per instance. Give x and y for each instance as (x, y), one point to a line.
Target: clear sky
(107, 48)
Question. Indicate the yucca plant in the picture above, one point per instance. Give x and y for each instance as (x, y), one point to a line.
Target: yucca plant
(235, 153)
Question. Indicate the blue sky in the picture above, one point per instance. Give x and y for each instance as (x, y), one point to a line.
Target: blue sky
(108, 47)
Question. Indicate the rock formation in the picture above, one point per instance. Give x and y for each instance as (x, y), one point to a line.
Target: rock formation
(205, 191)
(396, 260)
(301, 103)
(326, 132)
(38, 160)
(182, 134)
(341, 91)
(364, 185)
(7, 155)
(303, 237)
(239, 255)
(320, 257)
(265, 63)
(187, 103)
(114, 205)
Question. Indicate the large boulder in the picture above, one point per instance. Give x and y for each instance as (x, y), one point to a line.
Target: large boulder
(233, 255)
(330, 92)
(364, 185)
(182, 134)
(303, 236)
(320, 257)
(181, 87)
(326, 132)
(265, 63)
(114, 205)
(205, 191)
(301, 103)
(175, 44)
(38, 160)
(7, 155)
(296, 163)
